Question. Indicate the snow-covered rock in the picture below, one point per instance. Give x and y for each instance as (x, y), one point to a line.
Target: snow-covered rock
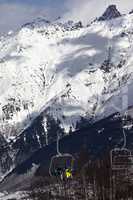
(110, 13)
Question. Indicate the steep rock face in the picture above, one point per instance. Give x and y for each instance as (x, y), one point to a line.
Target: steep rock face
(110, 13)
(5, 159)
(41, 132)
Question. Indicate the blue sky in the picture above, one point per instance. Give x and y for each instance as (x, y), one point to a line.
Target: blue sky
(36, 2)
(48, 3)
(14, 13)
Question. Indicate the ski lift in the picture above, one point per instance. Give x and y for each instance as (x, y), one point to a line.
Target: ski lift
(121, 158)
(61, 163)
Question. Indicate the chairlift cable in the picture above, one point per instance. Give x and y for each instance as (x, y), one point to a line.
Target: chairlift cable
(57, 145)
(124, 136)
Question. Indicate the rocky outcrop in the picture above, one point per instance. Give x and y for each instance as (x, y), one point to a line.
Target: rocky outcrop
(110, 13)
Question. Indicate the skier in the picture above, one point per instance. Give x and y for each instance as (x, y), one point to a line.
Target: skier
(68, 173)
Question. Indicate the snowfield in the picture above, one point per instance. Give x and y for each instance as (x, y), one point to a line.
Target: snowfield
(17, 196)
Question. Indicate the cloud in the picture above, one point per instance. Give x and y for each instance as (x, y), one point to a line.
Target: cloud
(13, 15)
(87, 10)
(84, 10)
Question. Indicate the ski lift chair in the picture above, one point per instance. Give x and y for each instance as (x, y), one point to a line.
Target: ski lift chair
(59, 163)
(121, 158)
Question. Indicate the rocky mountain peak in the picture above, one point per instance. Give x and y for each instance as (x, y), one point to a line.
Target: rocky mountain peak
(110, 13)
(131, 12)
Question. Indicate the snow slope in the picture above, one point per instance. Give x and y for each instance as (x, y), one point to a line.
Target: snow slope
(66, 69)
(16, 196)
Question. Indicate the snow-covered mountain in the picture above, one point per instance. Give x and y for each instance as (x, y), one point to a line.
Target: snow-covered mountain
(65, 67)
(66, 71)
